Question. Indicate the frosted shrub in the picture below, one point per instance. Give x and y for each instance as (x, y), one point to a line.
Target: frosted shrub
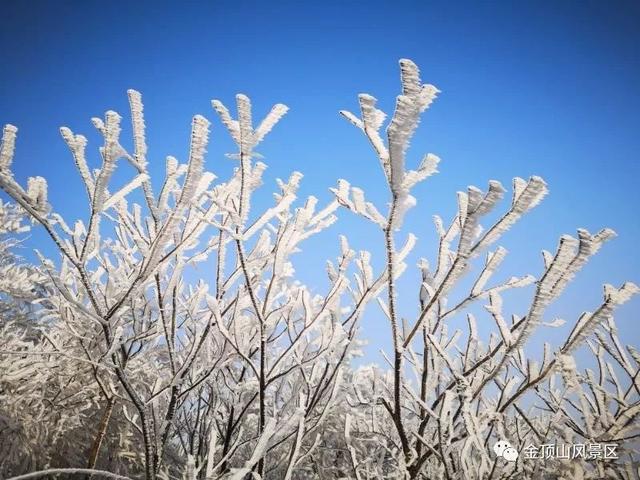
(142, 366)
(451, 395)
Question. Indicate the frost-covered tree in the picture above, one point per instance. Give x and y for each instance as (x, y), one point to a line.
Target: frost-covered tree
(18, 288)
(171, 338)
(47, 387)
(200, 370)
(451, 395)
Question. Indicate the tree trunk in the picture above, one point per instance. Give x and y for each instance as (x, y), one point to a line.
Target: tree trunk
(102, 432)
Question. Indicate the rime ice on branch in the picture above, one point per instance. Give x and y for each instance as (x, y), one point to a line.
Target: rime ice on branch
(448, 395)
(197, 372)
(170, 338)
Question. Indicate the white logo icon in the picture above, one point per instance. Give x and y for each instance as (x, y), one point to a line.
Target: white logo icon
(503, 449)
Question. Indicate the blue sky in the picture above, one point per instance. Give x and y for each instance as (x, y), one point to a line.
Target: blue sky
(546, 87)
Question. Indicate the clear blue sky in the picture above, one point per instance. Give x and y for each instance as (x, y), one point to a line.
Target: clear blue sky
(546, 87)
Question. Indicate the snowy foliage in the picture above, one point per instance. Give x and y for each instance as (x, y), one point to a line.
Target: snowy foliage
(171, 339)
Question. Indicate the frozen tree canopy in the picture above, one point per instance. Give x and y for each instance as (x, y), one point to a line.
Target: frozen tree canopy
(118, 359)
